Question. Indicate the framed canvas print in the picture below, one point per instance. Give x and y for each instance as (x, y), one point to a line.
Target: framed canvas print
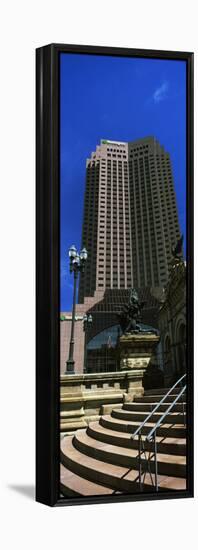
(114, 171)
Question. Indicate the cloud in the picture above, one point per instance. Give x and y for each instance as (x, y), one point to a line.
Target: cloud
(161, 92)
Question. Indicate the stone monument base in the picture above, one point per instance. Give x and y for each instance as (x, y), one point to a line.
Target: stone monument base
(136, 350)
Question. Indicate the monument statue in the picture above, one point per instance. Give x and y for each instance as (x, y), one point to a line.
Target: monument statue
(131, 314)
(136, 344)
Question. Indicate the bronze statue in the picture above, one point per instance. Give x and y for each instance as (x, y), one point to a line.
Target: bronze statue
(131, 314)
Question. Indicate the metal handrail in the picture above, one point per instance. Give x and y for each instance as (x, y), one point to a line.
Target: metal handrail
(157, 406)
(151, 436)
(159, 422)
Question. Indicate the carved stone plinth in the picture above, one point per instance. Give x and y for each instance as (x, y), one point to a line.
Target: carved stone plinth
(136, 350)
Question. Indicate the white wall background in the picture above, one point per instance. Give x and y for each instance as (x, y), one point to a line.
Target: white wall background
(25, 26)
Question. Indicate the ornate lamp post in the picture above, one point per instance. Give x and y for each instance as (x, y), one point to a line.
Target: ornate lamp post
(77, 264)
(87, 322)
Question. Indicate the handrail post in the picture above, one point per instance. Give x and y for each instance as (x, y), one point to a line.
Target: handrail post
(184, 421)
(140, 464)
(156, 473)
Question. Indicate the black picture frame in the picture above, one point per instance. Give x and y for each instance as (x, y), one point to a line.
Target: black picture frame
(47, 274)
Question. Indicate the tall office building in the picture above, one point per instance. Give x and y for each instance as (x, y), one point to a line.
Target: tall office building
(130, 216)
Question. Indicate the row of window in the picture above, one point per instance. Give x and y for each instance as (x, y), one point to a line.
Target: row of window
(114, 155)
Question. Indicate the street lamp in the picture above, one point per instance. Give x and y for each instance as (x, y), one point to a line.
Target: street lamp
(77, 264)
(87, 322)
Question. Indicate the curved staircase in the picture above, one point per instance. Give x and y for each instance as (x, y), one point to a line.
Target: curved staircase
(103, 459)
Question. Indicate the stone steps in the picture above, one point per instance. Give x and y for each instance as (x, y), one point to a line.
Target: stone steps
(164, 483)
(70, 426)
(122, 456)
(162, 391)
(103, 458)
(141, 416)
(119, 478)
(121, 425)
(157, 398)
(98, 471)
(148, 407)
(168, 445)
(73, 485)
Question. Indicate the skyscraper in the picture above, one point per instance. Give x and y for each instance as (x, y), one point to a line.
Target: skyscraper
(130, 216)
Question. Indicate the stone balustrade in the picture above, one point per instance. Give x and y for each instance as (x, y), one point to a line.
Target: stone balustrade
(85, 397)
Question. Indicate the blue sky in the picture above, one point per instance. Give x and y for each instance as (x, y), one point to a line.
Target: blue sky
(117, 99)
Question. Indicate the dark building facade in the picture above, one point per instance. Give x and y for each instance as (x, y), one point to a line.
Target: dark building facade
(130, 218)
(172, 323)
